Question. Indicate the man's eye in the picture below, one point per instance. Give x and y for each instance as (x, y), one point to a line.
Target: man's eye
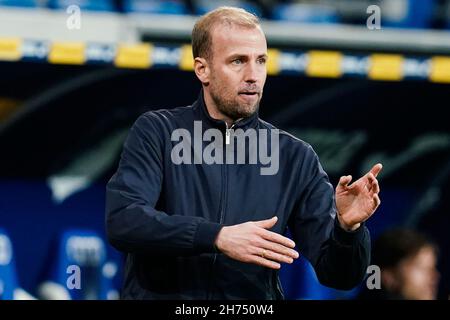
(237, 61)
(262, 61)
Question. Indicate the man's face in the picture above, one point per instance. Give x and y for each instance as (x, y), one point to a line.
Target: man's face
(237, 70)
(419, 276)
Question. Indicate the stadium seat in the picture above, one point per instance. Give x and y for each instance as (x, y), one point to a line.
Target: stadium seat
(407, 13)
(8, 277)
(300, 283)
(91, 5)
(9, 285)
(155, 6)
(19, 3)
(80, 270)
(305, 13)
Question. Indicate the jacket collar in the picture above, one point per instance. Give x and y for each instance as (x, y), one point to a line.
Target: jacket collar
(202, 113)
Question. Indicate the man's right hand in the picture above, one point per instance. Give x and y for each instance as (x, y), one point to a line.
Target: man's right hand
(251, 242)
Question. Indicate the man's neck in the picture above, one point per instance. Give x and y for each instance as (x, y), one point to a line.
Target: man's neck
(214, 112)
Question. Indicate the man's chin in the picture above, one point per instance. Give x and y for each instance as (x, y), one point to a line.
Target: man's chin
(240, 111)
(247, 111)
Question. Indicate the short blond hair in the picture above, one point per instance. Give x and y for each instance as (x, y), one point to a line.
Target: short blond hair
(201, 33)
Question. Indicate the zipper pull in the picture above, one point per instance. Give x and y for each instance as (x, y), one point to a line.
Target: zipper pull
(227, 136)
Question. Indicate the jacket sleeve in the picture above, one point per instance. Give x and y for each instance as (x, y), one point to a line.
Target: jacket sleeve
(340, 258)
(132, 222)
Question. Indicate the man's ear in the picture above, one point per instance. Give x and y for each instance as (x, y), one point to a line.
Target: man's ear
(202, 70)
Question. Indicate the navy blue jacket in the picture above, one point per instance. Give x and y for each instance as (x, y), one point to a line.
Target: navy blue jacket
(166, 216)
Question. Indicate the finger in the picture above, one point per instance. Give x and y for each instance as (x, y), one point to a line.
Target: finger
(376, 169)
(273, 256)
(375, 188)
(344, 181)
(370, 177)
(376, 200)
(279, 249)
(277, 238)
(265, 262)
(267, 224)
(372, 181)
(367, 180)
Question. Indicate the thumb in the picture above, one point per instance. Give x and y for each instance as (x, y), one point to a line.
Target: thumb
(267, 224)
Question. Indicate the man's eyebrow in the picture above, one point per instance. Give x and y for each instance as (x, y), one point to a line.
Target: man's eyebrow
(242, 55)
(237, 55)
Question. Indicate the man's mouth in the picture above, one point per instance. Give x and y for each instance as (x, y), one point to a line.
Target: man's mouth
(249, 93)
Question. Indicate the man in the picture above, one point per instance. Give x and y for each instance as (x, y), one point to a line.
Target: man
(214, 230)
(407, 260)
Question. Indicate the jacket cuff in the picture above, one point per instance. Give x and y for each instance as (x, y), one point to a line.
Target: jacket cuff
(206, 236)
(347, 237)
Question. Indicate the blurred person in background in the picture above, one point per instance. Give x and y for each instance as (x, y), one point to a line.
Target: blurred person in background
(407, 260)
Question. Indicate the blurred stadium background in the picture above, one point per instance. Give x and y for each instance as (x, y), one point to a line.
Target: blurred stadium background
(68, 97)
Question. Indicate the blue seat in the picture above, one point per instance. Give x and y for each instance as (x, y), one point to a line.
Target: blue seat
(407, 13)
(80, 270)
(203, 6)
(156, 7)
(8, 276)
(304, 13)
(300, 283)
(19, 3)
(90, 5)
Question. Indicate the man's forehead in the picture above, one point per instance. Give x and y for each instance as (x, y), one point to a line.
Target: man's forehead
(226, 37)
(233, 28)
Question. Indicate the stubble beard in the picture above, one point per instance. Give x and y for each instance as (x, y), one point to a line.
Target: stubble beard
(232, 108)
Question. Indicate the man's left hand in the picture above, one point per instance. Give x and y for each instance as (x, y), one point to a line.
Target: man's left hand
(357, 202)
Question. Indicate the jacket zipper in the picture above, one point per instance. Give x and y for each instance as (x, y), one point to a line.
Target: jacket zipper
(223, 200)
(227, 133)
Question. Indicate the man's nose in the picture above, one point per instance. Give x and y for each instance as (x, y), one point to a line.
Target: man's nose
(251, 73)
